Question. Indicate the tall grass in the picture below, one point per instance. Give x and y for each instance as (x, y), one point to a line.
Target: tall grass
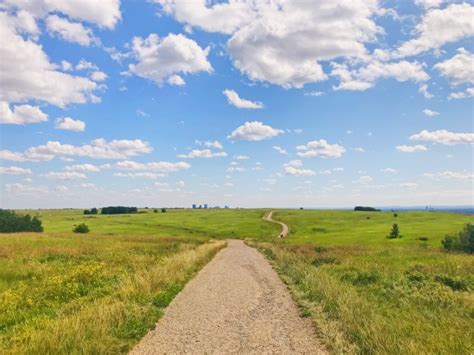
(382, 301)
(85, 295)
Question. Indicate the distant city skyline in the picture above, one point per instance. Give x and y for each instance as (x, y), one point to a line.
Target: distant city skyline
(241, 103)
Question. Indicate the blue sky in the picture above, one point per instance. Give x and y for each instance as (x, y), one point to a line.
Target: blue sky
(244, 103)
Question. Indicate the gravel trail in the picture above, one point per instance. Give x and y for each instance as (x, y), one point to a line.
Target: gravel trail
(236, 304)
(284, 228)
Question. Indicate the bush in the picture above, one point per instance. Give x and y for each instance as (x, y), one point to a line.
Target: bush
(464, 241)
(155, 210)
(118, 210)
(81, 228)
(395, 215)
(10, 222)
(423, 238)
(163, 210)
(394, 233)
(365, 208)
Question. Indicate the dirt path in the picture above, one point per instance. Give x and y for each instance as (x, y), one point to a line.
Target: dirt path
(236, 304)
(284, 228)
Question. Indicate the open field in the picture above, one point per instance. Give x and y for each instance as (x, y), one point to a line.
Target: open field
(367, 294)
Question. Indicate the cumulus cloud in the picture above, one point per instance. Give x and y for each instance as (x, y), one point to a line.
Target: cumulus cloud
(439, 27)
(98, 149)
(430, 113)
(321, 149)
(450, 175)
(290, 170)
(159, 59)
(443, 137)
(69, 31)
(234, 99)
(27, 73)
(459, 69)
(411, 148)
(424, 91)
(409, 185)
(21, 114)
(469, 92)
(390, 170)
(98, 76)
(210, 144)
(160, 166)
(59, 175)
(27, 190)
(280, 149)
(82, 167)
(86, 65)
(428, 4)
(254, 131)
(205, 153)
(14, 170)
(70, 124)
(242, 157)
(145, 175)
(365, 77)
(176, 80)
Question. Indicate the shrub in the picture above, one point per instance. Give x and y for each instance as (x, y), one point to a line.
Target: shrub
(81, 228)
(464, 241)
(395, 215)
(155, 210)
(163, 210)
(10, 222)
(394, 233)
(87, 212)
(423, 238)
(365, 208)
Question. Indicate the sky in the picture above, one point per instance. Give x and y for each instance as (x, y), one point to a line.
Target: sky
(268, 103)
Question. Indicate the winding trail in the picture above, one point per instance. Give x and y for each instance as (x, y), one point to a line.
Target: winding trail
(284, 228)
(236, 304)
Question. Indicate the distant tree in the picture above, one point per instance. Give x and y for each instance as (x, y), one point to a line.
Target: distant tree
(10, 222)
(87, 212)
(163, 210)
(94, 210)
(155, 210)
(395, 215)
(366, 209)
(394, 233)
(463, 241)
(118, 210)
(81, 228)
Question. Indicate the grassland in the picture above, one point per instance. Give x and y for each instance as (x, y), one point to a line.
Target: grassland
(367, 294)
(372, 295)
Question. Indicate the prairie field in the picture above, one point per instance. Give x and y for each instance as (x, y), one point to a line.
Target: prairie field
(100, 292)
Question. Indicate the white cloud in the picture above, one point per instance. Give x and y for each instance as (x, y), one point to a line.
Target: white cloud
(430, 113)
(411, 148)
(234, 99)
(145, 175)
(69, 31)
(104, 13)
(254, 131)
(142, 113)
(210, 144)
(439, 27)
(363, 180)
(98, 149)
(176, 80)
(85, 65)
(424, 91)
(443, 137)
(314, 93)
(242, 157)
(459, 69)
(70, 124)
(65, 65)
(82, 167)
(21, 114)
(27, 73)
(320, 149)
(205, 153)
(161, 166)
(450, 175)
(161, 58)
(233, 169)
(280, 149)
(61, 188)
(290, 170)
(428, 4)
(57, 175)
(366, 76)
(469, 92)
(20, 189)
(409, 185)
(14, 170)
(88, 185)
(294, 163)
(98, 76)
(390, 170)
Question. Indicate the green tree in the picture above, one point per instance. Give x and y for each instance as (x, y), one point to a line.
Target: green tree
(395, 232)
(81, 228)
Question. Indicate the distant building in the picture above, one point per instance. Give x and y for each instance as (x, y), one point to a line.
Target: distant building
(194, 206)
(205, 205)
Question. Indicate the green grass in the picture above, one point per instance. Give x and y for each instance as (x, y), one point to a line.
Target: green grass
(100, 292)
(372, 295)
(64, 293)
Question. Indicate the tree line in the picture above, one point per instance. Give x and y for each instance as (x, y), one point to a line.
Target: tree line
(112, 210)
(10, 222)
